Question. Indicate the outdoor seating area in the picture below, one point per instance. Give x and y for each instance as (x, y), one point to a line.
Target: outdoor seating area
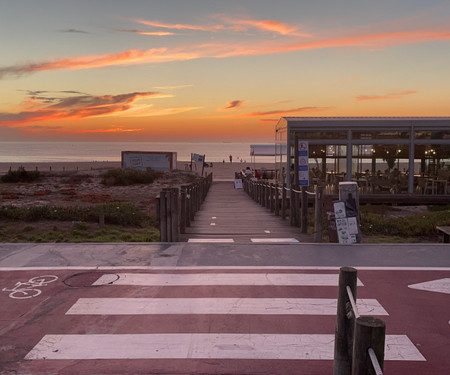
(384, 155)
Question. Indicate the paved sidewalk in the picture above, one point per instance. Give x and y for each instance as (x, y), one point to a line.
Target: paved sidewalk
(183, 254)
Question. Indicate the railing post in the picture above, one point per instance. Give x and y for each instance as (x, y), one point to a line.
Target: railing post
(162, 217)
(369, 333)
(271, 197)
(343, 343)
(283, 201)
(191, 203)
(169, 214)
(277, 201)
(174, 208)
(304, 210)
(318, 207)
(183, 215)
(292, 206)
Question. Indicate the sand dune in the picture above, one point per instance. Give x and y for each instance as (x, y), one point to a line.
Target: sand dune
(221, 171)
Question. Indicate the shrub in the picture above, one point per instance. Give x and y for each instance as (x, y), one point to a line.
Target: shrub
(125, 177)
(124, 214)
(21, 175)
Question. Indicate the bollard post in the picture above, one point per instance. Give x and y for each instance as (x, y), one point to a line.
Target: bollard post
(318, 205)
(370, 332)
(343, 342)
(283, 201)
(304, 210)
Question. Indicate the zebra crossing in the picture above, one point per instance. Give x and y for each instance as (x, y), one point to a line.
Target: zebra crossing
(124, 294)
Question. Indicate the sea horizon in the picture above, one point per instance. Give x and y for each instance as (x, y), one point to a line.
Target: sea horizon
(87, 151)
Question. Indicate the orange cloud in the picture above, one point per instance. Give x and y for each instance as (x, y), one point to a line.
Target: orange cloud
(74, 107)
(397, 95)
(284, 112)
(113, 130)
(267, 25)
(223, 50)
(151, 33)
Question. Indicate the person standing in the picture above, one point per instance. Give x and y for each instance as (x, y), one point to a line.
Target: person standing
(231, 158)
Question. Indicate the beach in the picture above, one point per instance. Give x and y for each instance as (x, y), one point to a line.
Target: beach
(221, 171)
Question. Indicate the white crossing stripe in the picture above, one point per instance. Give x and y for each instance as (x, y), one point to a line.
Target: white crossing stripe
(197, 279)
(233, 306)
(205, 345)
(441, 286)
(274, 240)
(211, 240)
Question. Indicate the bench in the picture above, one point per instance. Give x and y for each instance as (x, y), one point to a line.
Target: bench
(445, 230)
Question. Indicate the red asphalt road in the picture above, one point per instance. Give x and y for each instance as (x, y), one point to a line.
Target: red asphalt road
(421, 315)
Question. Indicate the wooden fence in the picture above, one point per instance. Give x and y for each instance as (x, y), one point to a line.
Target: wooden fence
(288, 202)
(176, 208)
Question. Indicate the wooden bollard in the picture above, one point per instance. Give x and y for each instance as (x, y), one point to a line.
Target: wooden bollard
(343, 342)
(283, 201)
(369, 333)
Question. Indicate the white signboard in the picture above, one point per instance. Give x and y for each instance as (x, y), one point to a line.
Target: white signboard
(158, 161)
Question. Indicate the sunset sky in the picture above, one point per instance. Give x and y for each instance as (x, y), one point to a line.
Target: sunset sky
(206, 70)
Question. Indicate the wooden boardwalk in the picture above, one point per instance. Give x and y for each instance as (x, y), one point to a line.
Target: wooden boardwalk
(230, 214)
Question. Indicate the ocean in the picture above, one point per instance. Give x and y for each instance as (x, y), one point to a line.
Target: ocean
(26, 152)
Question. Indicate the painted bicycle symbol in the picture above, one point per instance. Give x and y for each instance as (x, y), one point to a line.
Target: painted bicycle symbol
(29, 289)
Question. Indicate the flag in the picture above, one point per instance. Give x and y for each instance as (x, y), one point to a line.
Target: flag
(198, 158)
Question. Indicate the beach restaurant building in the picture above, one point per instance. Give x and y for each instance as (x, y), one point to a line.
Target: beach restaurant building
(399, 155)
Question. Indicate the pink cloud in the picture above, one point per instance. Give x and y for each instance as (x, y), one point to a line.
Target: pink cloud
(224, 50)
(74, 107)
(397, 95)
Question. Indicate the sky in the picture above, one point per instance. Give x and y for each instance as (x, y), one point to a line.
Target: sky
(207, 70)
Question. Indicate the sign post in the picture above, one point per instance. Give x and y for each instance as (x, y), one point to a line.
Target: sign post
(303, 163)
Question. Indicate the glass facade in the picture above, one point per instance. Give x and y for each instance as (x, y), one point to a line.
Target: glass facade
(383, 155)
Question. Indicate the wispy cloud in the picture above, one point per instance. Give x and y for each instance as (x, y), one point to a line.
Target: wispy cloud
(234, 104)
(151, 33)
(75, 31)
(179, 26)
(224, 50)
(174, 87)
(73, 107)
(106, 130)
(394, 95)
(284, 112)
(266, 25)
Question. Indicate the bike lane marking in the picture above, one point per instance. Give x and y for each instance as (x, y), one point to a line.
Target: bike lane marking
(390, 289)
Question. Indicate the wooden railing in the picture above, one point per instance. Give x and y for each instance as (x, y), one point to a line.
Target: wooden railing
(176, 208)
(288, 202)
